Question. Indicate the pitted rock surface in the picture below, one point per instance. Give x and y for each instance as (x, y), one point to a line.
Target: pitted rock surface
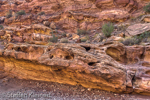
(65, 63)
(93, 66)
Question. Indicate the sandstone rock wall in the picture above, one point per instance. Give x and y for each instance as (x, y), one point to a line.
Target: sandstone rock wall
(64, 63)
(73, 14)
(93, 66)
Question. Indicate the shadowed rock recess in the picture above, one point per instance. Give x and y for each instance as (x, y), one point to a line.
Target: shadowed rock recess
(109, 67)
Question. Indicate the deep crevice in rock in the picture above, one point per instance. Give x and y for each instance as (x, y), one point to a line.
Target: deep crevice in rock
(148, 72)
(92, 63)
(49, 50)
(86, 48)
(58, 70)
(51, 56)
(142, 55)
(69, 57)
(133, 80)
(18, 49)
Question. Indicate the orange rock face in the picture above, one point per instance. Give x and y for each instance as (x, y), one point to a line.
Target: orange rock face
(111, 67)
(108, 66)
(70, 15)
(65, 63)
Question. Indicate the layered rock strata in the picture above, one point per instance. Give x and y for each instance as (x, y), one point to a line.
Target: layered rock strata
(110, 67)
(71, 14)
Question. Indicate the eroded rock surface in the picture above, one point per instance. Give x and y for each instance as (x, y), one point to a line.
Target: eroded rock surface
(136, 59)
(70, 15)
(65, 63)
(111, 67)
(138, 29)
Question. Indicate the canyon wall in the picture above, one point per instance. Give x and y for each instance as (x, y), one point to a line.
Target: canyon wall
(110, 67)
(72, 14)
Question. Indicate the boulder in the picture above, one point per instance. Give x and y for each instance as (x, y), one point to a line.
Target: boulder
(46, 23)
(115, 38)
(75, 36)
(52, 25)
(147, 20)
(137, 29)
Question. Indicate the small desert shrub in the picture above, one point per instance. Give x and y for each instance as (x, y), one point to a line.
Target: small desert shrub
(1, 27)
(82, 32)
(54, 39)
(53, 31)
(64, 40)
(137, 39)
(9, 14)
(21, 12)
(143, 36)
(130, 41)
(97, 34)
(50, 43)
(147, 8)
(83, 39)
(107, 29)
(41, 13)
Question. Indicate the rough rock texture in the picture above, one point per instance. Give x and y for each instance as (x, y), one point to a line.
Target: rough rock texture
(110, 67)
(138, 29)
(136, 59)
(65, 63)
(146, 18)
(36, 34)
(71, 14)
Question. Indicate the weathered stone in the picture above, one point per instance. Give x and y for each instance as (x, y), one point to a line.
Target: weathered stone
(69, 15)
(115, 38)
(126, 55)
(76, 63)
(78, 41)
(46, 23)
(84, 64)
(52, 25)
(2, 32)
(147, 20)
(17, 39)
(138, 76)
(109, 66)
(138, 29)
(75, 36)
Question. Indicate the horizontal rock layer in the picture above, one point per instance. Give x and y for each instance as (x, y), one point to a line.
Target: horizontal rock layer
(71, 14)
(92, 66)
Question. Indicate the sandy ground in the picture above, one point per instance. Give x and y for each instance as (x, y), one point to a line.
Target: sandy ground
(16, 89)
